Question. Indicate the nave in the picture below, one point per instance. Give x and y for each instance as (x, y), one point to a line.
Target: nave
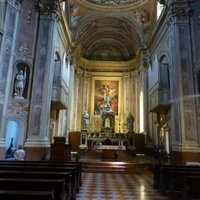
(104, 184)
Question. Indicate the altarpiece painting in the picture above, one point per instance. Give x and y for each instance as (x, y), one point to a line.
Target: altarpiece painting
(106, 96)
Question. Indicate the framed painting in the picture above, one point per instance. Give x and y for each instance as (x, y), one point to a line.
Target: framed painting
(106, 96)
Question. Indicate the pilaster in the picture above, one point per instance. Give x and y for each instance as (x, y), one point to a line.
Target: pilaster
(183, 109)
(78, 85)
(71, 98)
(6, 60)
(39, 120)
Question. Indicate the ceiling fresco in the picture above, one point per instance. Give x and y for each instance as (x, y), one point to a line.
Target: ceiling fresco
(114, 2)
(105, 34)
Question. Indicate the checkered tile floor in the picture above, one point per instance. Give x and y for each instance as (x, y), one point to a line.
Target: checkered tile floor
(104, 186)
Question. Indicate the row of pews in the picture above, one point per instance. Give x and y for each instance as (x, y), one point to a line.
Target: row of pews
(41, 180)
(178, 181)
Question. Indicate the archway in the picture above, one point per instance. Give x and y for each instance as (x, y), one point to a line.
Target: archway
(14, 137)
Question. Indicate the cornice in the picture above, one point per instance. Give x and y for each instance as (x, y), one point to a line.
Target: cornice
(105, 66)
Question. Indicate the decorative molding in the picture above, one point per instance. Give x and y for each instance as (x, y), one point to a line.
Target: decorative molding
(49, 9)
(19, 108)
(179, 11)
(115, 3)
(146, 59)
(24, 53)
(15, 3)
(187, 106)
(49, 15)
(37, 142)
(190, 147)
(29, 17)
(37, 101)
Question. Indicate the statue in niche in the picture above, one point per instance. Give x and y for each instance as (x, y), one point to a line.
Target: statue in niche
(20, 82)
(130, 122)
(85, 120)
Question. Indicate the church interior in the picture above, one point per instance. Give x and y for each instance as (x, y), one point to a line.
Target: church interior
(106, 87)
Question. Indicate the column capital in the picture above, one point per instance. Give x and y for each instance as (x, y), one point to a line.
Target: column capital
(179, 11)
(146, 58)
(49, 9)
(15, 3)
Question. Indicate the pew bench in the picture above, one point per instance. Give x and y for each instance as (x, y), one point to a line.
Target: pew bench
(162, 175)
(191, 188)
(177, 181)
(26, 195)
(54, 169)
(56, 185)
(41, 175)
(76, 164)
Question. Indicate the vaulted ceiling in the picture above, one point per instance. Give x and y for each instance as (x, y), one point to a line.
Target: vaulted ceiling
(111, 30)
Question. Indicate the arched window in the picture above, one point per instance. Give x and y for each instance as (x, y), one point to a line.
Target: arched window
(159, 9)
(141, 112)
(12, 132)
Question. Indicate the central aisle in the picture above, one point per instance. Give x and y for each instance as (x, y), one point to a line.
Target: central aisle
(134, 184)
(104, 186)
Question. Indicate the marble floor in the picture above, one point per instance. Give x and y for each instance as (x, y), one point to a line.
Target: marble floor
(118, 186)
(104, 186)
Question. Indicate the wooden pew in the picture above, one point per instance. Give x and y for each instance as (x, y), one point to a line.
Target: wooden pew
(157, 173)
(26, 195)
(177, 181)
(72, 170)
(163, 175)
(76, 164)
(41, 175)
(58, 185)
(191, 188)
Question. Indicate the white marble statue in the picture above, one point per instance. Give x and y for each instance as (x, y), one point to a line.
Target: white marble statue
(130, 122)
(85, 120)
(20, 81)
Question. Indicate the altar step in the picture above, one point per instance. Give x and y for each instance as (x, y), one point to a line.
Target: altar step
(116, 167)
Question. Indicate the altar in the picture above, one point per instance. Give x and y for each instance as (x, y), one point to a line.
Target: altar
(111, 147)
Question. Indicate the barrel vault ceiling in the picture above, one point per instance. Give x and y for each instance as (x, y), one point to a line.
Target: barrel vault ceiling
(110, 30)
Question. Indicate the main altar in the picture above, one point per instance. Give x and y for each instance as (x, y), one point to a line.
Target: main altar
(106, 127)
(106, 137)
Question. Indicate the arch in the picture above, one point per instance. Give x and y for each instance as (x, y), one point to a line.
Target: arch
(118, 34)
(163, 57)
(15, 132)
(123, 17)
